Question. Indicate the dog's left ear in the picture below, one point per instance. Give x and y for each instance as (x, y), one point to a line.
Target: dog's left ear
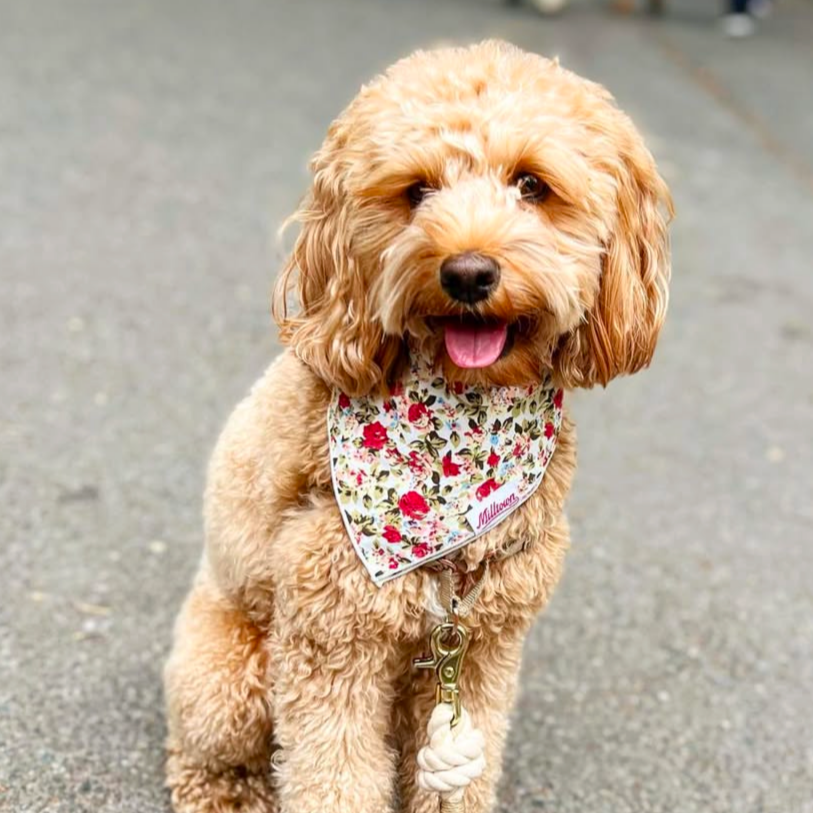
(622, 327)
(332, 332)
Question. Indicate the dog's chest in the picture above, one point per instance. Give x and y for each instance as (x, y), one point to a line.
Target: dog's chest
(483, 559)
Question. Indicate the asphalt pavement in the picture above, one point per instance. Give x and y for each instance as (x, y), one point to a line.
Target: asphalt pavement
(149, 150)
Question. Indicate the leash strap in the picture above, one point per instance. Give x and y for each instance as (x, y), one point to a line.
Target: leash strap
(458, 607)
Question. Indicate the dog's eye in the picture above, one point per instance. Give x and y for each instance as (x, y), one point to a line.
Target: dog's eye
(417, 193)
(531, 187)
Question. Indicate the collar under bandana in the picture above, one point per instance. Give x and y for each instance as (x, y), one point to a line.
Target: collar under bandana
(421, 472)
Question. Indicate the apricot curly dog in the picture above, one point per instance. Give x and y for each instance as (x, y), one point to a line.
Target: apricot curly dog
(501, 214)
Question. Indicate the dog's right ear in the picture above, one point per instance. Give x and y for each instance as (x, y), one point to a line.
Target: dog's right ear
(332, 331)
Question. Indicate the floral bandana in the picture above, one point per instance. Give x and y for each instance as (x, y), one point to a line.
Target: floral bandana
(430, 467)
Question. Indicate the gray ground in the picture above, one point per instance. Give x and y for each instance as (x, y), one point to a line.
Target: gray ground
(147, 150)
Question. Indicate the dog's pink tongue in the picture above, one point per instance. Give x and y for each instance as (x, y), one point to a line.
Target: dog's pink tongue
(471, 345)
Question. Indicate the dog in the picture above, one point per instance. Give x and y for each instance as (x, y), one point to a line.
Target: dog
(481, 198)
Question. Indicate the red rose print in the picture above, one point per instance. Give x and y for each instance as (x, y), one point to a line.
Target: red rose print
(417, 464)
(484, 489)
(549, 430)
(393, 563)
(558, 398)
(375, 436)
(392, 534)
(458, 387)
(420, 550)
(450, 469)
(344, 401)
(493, 459)
(413, 505)
(517, 449)
(397, 389)
(416, 412)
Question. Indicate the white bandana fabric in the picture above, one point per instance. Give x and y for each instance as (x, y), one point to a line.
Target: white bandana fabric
(431, 466)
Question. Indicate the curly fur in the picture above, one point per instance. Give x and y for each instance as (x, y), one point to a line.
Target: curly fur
(284, 645)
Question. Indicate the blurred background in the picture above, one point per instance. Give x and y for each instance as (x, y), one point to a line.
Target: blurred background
(148, 152)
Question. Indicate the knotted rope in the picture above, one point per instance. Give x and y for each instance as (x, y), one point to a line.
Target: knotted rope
(453, 757)
(455, 754)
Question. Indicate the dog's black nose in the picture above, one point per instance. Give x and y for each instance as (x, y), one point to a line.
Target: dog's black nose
(469, 277)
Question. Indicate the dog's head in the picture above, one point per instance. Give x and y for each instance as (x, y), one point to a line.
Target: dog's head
(491, 205)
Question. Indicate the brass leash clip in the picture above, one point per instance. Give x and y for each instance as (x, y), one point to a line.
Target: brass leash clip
(449, 642)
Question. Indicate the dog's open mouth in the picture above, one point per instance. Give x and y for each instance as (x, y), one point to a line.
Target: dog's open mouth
(473, 343)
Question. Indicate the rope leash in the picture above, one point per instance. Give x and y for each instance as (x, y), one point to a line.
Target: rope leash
(455, 754)
(453, 757)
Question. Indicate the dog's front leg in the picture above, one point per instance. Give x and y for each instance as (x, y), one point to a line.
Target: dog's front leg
(332, 705)
(489, 689)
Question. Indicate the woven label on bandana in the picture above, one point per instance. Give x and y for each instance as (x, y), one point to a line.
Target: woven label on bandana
(428, 468)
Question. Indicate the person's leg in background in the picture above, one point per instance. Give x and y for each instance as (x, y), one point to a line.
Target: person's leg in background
(738, 22)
